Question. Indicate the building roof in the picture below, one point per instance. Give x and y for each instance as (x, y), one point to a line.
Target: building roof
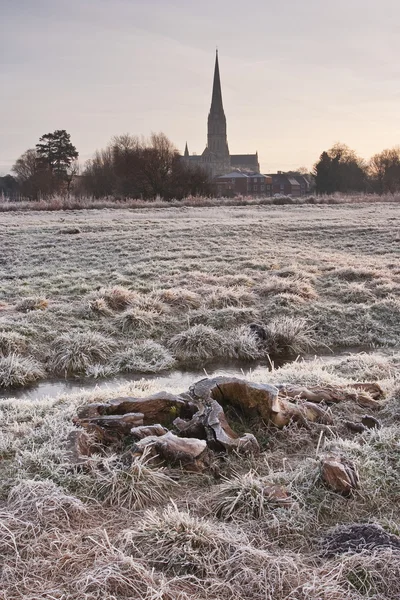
(244, 159)
(233, 175)
(293, 181)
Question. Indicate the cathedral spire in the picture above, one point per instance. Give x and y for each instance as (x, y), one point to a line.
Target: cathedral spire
(217, 142)
(216, 102)
(186, 151)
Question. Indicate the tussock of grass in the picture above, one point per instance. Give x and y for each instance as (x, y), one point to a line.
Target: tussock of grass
(224, 297)
(12, 342)
(364, 367)
(243, 344)
(135, 320)
(144, 357)
(45, 503)
(74, 353)
(356, 274)
(288, 335)
(117, 297)
(280, 285)
(132, 487)
(245, 496)
(32, 303)
(199, 343)
(19, 371)
(100, 307)
(179, 298)
(179, 543)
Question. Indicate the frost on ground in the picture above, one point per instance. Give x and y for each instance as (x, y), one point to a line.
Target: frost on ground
(103, 529)
(148, 289)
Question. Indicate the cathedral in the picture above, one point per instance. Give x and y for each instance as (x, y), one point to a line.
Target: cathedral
(216, 159)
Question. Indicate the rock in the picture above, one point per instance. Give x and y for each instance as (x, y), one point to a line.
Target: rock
(189, 453)
(143, 431)
(358, 538)
(339, 474)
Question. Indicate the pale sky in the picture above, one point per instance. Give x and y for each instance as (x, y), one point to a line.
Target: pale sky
(297, 75)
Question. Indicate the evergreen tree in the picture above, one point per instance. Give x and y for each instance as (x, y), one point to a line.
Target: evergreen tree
(56, 153)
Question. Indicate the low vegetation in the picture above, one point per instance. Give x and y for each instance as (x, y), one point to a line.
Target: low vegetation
(149, 289)
(249, 527)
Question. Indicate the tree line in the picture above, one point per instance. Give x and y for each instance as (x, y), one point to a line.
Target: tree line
(130, 167)
(134, 167)
(341, 170)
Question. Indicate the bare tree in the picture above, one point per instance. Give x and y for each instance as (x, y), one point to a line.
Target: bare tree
(384, 170)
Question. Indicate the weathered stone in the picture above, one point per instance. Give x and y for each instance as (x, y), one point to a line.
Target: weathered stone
(148, 430)
(189, 453)
(339, 474)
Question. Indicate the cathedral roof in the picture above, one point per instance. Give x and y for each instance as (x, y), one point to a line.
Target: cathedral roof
(244, 159)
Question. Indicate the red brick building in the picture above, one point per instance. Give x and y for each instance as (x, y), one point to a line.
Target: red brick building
(246, 184)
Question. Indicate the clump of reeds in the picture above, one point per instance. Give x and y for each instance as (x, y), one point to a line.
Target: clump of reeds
(133, 487)
(19, 371)
(246, 496)
(144, 357)
(74, 353)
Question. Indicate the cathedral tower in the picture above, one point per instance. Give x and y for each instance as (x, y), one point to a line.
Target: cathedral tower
(217, 141)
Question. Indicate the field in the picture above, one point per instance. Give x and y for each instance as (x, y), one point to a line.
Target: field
(92, 293)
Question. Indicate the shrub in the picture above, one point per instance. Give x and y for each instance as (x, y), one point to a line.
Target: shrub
(144, 357)
(44, 502)
(73, 353)
(32, 303)
(17, 371)
(11, 341)
(199, 343)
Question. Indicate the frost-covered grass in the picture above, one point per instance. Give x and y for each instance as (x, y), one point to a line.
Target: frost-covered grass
(316, 277)
(110, 528)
